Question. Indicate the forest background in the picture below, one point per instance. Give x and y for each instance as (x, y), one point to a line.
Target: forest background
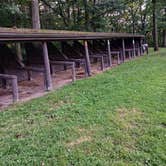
(146, 17)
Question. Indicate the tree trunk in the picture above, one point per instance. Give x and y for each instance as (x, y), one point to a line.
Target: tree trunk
(78, 14)
(164, 38)
(74, 13)
(164, 33)
(155, 29)
(86, 14)
(68, 11)
(35, 14)
(93, 15)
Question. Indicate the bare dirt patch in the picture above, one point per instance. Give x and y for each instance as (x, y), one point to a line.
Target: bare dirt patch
(79, 141)
(124, 113)
(127, 118)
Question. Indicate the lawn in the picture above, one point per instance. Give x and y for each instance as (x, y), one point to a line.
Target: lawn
(116, 118)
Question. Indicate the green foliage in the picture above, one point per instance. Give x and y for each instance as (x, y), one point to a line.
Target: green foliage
(14, 13)
(114, 118)
(88, 15)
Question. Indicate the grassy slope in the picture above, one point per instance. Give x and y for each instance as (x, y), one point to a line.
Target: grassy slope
(116, 118)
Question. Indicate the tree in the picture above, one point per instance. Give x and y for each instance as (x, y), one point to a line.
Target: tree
(162, 24)
(155, 30)
(89, 15)
(35, 14)
(164, 30)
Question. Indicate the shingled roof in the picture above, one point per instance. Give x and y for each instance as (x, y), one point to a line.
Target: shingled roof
(14, 34)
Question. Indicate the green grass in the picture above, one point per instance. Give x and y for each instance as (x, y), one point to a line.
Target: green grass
(116, 118)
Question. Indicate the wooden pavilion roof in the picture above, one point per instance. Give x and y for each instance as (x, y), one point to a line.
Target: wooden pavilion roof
(14, 34)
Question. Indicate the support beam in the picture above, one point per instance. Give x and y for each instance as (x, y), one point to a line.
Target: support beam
(48, 80)
(88, 65)
(2, 71)
(15, 90)
(139, 51)
(123, 50)
(130, 54)
(118, 56)
(73, 72)
(109, 54)
(141, 43)
(134, 51)
(102, 63)
(19, 54)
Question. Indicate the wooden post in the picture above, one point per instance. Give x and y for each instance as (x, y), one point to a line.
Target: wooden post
(73, 72)
(14, 84)
(4, 83)
(88, 65)
(15, 89)
(19, 54)
(123, 50)
(48, 80)
(102, 63)
(134, 51)
(109, 54)
(141, 51)
(29, 75)
(129, 54)
(118, 54)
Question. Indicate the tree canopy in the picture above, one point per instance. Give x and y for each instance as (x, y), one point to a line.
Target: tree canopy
(89, 15)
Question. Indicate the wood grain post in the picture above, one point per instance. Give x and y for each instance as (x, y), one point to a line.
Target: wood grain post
(123, 50)
(15, 89)
(48, 80)
(118, 56)
(102, 63)
(73, 72)
(88, 65)
(134, 51)
(29, 75)
(4, 83)
(85, 68)
(129, 54)
(141, 51)
(109, 54)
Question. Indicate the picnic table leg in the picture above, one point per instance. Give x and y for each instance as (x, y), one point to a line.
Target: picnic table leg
(15, 90)
(51, 69)
(85, 68)
(29, 75)
(102, 63)
(129, 54)
(88, 65)
(141, 51)
(123, 50)
(134, 51)
(118, 58)
(109, 54)
(48, 80)
(4, 83)
(73, 72)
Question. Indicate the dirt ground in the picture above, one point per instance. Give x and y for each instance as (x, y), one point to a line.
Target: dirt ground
(35, 88)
